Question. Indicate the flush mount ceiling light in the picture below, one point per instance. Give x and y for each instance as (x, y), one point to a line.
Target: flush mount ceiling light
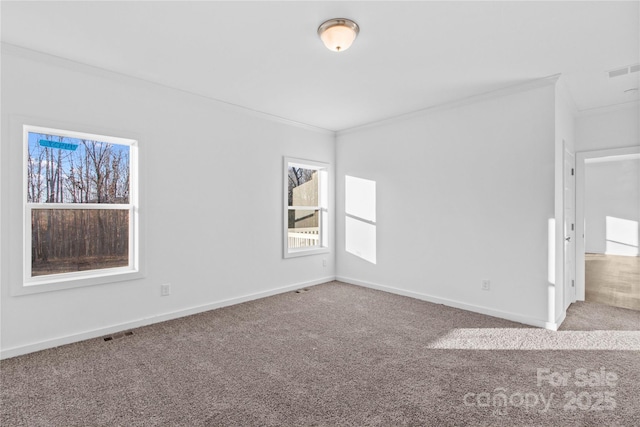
(338, 34)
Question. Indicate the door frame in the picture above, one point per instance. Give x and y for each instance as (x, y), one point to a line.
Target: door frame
(569, 291)
(582, 158)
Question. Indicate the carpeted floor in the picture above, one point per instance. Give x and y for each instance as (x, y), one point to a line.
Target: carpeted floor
(338, 355)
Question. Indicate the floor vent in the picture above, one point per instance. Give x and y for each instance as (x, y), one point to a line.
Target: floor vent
(118, 335)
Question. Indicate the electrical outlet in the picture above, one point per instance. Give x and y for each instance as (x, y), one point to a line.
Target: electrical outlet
(486, 285)
(324, 262)
(165, 290)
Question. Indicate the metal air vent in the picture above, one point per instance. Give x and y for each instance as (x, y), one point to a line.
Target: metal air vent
(624, 70)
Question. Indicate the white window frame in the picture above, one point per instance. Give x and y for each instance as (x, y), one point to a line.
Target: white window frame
(67, 280)
(322, 208)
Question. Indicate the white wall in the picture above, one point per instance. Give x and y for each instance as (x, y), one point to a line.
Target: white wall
(212, 200)
(614, 129)
(613, 190)
(463, 194)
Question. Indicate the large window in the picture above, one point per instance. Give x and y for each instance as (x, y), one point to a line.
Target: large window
(305, 214)
(80, 217)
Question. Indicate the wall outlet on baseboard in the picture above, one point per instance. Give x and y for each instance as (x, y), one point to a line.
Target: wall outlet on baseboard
(486, 285)
(165, 289)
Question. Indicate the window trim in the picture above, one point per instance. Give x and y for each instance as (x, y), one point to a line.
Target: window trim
(51, 282)
(322, 208)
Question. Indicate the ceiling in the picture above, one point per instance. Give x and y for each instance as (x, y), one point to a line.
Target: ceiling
(266, 56)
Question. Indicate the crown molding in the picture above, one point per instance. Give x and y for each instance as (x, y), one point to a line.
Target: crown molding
(508, 90)
(608, 109)
(19, 51)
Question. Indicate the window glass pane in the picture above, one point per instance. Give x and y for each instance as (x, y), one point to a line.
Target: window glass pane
(303, 186)
(303, 228)
(70, 170)
(68, 240)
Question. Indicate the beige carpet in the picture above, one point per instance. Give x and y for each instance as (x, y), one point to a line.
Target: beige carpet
(337, 355)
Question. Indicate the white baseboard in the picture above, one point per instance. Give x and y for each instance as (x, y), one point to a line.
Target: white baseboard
(95, 333)
(514, 317)
(559, 320)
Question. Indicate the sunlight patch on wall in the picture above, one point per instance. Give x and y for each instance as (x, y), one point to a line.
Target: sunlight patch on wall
(622, 236)
(360, 200)
(360, 218)
(360, 239)
(551, 251)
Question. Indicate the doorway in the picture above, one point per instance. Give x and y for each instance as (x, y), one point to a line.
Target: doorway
(608, 212)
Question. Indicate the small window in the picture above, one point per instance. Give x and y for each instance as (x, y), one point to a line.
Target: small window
(80, 206)
(305, 214)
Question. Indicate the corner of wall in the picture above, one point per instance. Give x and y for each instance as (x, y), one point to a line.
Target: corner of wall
(565, 112)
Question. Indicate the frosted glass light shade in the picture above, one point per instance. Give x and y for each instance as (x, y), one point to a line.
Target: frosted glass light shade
(338, 34)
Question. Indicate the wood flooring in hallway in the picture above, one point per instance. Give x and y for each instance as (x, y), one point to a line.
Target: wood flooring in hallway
(613, 280)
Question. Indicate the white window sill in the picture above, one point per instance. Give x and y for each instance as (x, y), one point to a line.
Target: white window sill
(293, 253)
(75, 280)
